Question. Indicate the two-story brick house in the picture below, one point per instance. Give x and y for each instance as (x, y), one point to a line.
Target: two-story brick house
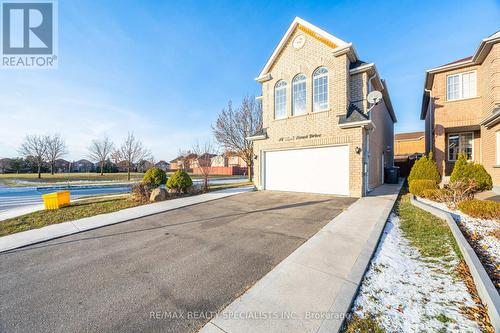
(320, 134)
(461, 109)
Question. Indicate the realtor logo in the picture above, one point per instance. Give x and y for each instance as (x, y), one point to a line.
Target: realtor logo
(29, 34)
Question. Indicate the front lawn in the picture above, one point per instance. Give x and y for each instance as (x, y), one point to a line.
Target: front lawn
(77, 210)
(81, 209)
(417, 280)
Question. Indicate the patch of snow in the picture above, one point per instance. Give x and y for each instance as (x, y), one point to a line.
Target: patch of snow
(408, 293)
(480, 227)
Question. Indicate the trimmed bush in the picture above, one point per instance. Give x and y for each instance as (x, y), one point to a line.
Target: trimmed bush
(464, 170)
(483, 209)
(180, 181)
(424, 168)
(155, 177)
(417, 186)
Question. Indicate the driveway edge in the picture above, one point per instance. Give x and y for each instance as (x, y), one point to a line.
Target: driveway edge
(485, 287)
(54, 231)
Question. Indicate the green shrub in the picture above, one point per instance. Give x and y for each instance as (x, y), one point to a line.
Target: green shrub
(155, 177)
(417, 186)
(483, 209)
(424, 168)
(464, 170)
(180, 181)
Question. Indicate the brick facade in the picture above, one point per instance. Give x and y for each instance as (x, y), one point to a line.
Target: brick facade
(444, 118)
(317, 129)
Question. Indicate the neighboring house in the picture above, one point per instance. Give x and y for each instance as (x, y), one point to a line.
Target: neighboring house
(82, 166)
(461, 109)
(204, 160)
(219, 161)
(320, 134)
(183, 162)
(233, 159)
(409, 143)
(228, 159)
(165, 166)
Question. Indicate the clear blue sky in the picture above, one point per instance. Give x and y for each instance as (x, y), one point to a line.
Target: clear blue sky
(164, 69)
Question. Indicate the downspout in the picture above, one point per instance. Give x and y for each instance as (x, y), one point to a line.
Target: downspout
(431, 122)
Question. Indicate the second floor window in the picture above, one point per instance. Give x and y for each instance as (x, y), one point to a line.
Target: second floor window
(280, 100)
(460, 86)
(299, 95)
(320, 89)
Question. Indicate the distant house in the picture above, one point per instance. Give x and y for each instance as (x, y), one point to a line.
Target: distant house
(204, 160)
(5, 165)
(165, 166)
(61, 166)
(123, 166)
(228, 159)
(409, 143)
(183, 162)
(82, 166)
(144, 165)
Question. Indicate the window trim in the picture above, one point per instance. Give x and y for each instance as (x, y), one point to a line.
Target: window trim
(284, 87)
(460, 86)
(448, 146)
(294, 82)
(327, 75)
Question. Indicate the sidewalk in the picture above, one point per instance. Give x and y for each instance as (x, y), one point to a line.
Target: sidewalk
(67, 228)
(313, 288)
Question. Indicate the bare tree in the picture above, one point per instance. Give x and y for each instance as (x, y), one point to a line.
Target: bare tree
(116, 156)
(100, 151)
(233, 126)
(35, 148)
(132, 151)
(56, 148)
(204, 154)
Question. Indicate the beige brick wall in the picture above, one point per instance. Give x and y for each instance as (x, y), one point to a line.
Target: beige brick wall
(468, 112)
(490, 71)
(457, 113)
(305, 60)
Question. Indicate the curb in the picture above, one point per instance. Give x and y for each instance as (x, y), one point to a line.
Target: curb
(34, 236)
(485, 288)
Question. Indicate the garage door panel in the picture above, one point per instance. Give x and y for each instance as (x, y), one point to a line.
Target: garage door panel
(316, 170)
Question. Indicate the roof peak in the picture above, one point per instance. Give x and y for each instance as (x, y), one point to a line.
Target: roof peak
(314, 30)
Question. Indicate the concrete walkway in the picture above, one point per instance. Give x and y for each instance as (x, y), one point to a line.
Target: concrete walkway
(313, 288)
(67, 228)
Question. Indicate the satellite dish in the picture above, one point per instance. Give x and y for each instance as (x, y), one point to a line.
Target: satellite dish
(374, 97)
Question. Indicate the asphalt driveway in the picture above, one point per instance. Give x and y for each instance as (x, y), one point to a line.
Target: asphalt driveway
(164, 273)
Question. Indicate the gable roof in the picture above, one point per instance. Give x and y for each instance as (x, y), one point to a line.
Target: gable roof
(320, 34)
(476, 59)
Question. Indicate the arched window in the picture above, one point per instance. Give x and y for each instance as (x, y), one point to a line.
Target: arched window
(280, 100)
(320, 89)
(299, 95)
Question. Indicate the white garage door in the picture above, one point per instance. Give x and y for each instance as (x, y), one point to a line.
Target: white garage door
(316, 170)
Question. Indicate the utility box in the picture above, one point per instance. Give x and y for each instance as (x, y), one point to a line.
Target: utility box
(56, 200)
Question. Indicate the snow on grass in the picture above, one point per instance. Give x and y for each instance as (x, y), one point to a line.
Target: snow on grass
(408, 293)
(484, 229)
